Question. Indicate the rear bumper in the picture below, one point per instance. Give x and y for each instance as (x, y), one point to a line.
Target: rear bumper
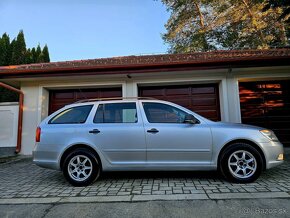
(46, 156)
(46, 164)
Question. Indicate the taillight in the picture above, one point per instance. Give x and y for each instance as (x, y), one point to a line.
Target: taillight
(38, 133)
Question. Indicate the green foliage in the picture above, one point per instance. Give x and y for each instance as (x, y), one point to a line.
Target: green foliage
(19, 50)
(45, 54)
(7, 95)
(38, 54)
(204, 25)
(15, 52)
(5, 50)
(284, 4)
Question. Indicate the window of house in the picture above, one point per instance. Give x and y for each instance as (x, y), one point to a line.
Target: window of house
(116, 113)
(72, 115)
(163, 113)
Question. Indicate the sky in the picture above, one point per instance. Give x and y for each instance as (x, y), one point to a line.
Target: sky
(87, 29)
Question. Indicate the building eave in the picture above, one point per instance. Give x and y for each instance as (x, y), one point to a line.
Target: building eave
(153, 63)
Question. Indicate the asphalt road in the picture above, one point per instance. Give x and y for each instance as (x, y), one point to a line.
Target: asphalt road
(196, 208)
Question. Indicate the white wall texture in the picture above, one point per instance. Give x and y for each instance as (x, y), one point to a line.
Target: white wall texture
(8, 124)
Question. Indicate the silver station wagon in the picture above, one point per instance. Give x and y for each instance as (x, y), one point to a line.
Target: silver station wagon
(85, 138)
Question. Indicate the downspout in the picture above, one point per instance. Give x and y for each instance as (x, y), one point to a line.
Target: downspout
(20, 114)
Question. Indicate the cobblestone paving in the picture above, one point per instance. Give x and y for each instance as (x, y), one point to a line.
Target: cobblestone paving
(23, 179)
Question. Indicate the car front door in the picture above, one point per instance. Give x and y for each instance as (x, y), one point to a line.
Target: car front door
(170, 141)
(118, 131)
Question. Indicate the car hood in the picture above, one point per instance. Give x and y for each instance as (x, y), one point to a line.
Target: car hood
(236, 125)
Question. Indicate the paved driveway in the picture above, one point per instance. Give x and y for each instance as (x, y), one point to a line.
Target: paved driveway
(22, 181)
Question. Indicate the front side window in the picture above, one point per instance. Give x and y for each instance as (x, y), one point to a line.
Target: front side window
(116, 113)
(163, 113)
(72, 115)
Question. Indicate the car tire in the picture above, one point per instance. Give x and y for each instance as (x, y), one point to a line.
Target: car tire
(241, 163)
(81, 167)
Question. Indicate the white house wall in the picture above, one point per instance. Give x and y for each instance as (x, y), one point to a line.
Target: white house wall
(8, 124)
(30, 117)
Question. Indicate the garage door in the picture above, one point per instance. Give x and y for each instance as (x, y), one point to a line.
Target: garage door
(202, 99)
(60, 98)
(267, 104)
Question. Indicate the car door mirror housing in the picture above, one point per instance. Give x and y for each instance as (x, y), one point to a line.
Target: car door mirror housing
(189, 118)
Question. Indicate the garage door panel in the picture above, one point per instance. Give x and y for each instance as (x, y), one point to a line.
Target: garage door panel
(279, 111)
(81, 95)
(110, 93)
(151, 92)
(177, 91)
(209, 114)
(251, 100)
(63, 95)
(252, 112)
(266, 104)
(205, 102)
(204, 90)
(60, 98)
(183, 102)
(202, 99)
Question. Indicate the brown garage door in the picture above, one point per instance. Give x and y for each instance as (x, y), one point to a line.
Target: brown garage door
(267, 104)
(202, 99)
(60, 98)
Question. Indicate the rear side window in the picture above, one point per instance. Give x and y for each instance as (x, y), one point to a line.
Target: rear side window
(72, 115)
(116, 113)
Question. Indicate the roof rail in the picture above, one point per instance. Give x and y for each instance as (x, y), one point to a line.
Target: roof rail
(115, 98)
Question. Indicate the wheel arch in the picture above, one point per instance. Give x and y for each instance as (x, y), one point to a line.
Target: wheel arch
(76, 146)
(257, 147)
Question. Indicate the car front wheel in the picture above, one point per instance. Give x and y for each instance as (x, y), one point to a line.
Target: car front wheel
(241, 163)
(81, 167)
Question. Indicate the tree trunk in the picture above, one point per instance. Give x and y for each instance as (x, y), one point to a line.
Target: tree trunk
(251, 15)
(201, 22)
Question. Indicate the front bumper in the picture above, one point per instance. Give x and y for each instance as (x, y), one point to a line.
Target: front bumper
(272, 150)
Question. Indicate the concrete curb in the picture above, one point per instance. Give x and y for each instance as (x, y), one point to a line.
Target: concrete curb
(138, 198)
(250, 195)
(169, 197)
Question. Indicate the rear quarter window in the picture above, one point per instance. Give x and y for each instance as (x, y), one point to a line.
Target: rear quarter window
(72, 115)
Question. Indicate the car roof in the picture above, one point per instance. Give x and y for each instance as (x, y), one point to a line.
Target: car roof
(111, 100)
(114, 99)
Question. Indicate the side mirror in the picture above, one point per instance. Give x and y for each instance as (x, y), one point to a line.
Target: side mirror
(189, 118)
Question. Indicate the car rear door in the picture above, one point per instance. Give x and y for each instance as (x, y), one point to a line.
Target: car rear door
(118, 131)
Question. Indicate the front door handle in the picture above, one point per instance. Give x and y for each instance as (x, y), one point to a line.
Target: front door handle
(94, 131)
(153, 130)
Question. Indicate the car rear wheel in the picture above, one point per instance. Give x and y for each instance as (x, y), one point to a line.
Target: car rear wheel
(241, 163)
(81, 167)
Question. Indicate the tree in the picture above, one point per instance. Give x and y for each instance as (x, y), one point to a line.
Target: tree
(19, 50)
(45, 54)
(203, 25)
(28, 57)
(33, 55)
(15, 52)
(187, 28)
(5, 52)
(38, 54)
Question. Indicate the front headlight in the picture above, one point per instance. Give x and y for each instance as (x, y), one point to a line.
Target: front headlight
(269, 134)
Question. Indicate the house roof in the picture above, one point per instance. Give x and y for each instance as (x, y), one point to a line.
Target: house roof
(236, 58)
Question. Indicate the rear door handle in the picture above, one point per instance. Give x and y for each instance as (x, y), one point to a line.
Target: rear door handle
(153, 130)
(95, 131)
